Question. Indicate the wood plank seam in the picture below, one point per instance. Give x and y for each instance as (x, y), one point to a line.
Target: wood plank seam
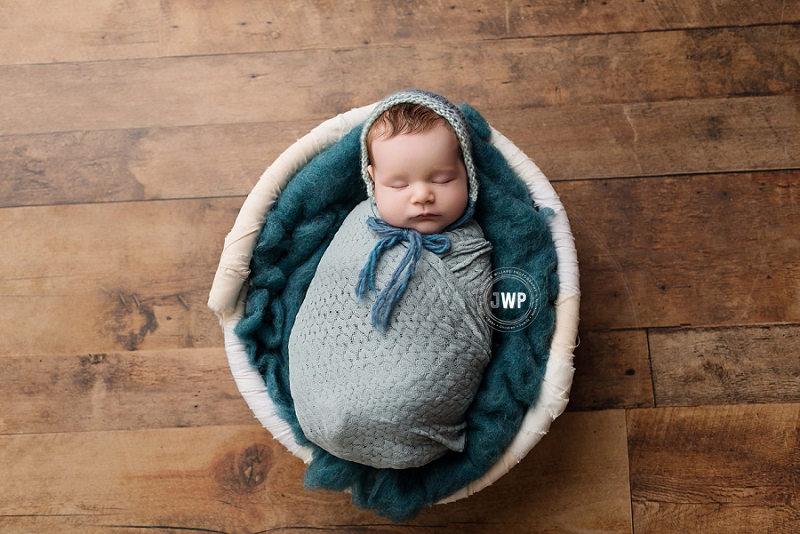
(650, 363)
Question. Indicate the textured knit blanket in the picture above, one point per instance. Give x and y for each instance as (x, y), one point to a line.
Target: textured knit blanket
(396, 399)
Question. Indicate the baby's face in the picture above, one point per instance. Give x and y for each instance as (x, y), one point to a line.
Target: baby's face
(420, 179)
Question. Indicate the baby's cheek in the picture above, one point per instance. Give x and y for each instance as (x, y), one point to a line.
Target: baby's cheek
(388, 209)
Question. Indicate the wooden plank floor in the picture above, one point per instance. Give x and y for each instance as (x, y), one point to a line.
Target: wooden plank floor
(130, 133)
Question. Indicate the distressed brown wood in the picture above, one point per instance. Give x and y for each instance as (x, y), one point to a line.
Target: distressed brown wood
(710, 250)
(612, 370)
(715, 469)
(668, 518)
(143, 164)
(43, 32)
(726, 365)
(662, 138)
(506, 75)
(119, 391)
(567, 143)
(248, 27)
(110, 277)
(238, 479)
(38, 31)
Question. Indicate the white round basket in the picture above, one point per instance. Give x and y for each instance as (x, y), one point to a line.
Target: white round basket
(228, 293)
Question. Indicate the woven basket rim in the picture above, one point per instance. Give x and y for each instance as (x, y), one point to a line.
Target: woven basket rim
(229, 290)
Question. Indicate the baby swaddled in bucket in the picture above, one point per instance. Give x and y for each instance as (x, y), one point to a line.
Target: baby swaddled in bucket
(389, 346)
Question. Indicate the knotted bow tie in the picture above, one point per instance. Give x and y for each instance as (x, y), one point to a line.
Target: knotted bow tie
(390, 236)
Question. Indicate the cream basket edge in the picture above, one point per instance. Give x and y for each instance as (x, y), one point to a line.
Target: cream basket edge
(228, 292)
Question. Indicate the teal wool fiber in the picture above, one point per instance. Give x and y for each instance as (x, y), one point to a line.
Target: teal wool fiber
(297, 230)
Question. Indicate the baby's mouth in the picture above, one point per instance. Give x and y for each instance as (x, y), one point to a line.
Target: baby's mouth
(425, 215)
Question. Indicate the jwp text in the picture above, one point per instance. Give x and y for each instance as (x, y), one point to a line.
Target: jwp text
(508, 300)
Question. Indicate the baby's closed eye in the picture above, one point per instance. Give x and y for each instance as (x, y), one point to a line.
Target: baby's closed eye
(443, 178)
(393, 182)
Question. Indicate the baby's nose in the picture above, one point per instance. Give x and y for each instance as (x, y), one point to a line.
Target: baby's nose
(422, 193)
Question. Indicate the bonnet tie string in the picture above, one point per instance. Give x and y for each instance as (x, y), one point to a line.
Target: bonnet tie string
(391, 236)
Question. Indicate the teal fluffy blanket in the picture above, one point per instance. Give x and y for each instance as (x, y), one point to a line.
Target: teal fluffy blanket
(296, 233)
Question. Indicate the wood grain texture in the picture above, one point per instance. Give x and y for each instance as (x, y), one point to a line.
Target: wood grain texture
(261, 26)
(110, 277)
(567, 143)
(654, 139)
(39, 31)
(726, 365)
(612, 370)
(715, 469)
(144, 164)
(506, 75)
(44, 32)
(708, 250)
(668, 518)
(237, 479)
(119, 391)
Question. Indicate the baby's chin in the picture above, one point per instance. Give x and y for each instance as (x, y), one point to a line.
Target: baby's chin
(427, 226)
(433, 225)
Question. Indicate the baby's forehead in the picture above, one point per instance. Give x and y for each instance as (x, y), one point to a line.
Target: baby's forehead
(440, 139)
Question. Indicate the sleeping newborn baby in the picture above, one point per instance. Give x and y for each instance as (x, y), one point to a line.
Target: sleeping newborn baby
(389, 346)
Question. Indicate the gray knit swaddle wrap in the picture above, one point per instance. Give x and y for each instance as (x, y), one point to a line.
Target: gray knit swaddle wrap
(396, 399)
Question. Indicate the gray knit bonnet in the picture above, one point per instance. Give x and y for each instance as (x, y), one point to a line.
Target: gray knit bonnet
(439, 105)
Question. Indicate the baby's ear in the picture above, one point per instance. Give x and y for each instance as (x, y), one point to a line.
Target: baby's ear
(371, 175)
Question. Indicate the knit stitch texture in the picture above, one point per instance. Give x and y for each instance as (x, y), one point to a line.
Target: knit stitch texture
(395, 398)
